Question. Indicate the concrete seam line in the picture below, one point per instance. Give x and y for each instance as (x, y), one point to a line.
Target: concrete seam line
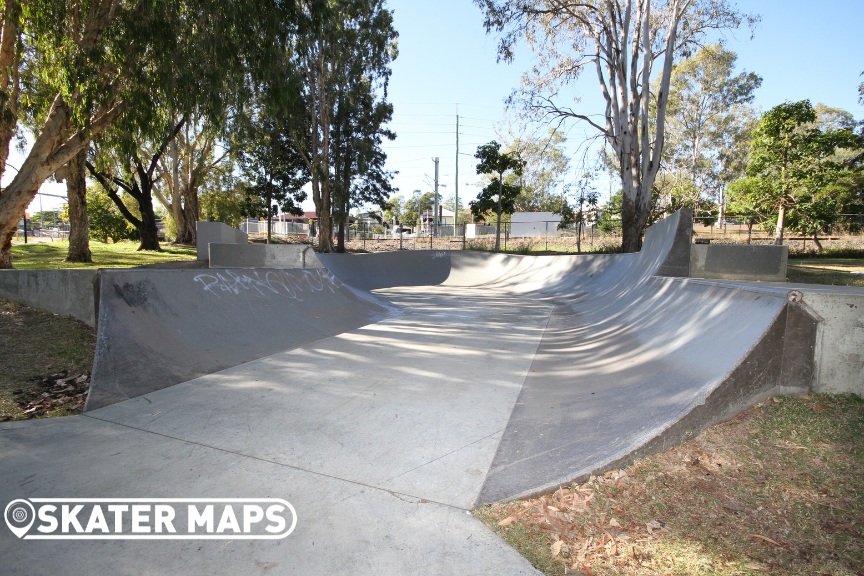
(393, 493)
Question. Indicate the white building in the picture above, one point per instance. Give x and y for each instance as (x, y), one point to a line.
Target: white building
(527, 224)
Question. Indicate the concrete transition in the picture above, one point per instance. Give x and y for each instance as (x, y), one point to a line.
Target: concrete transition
(216, 233)
(161, 327)
(388, 394)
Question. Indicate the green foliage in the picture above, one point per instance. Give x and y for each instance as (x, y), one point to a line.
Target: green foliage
(46, 217)
(276, 172)
(793, 167)
(106, 221)
(586, 194)
(709, 116)
(546, 166)
(498, 196)
(609, 216)
(223, 205)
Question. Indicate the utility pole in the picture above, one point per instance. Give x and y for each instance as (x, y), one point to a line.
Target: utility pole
(456, 206)
(434, 230)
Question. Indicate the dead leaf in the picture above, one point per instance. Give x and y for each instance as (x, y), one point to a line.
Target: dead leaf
(766, 539)
(507, 521)
(556, 548)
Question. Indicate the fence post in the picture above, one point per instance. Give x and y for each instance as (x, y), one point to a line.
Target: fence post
(546, 222)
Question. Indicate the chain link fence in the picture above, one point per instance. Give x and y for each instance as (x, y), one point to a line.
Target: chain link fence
(847, 234)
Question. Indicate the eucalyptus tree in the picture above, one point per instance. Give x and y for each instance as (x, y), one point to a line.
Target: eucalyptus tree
(340, 67)
(193, 158)
(546, 166)
(709, 108)
(135, 175)
(622, 41)
(359, 176)
(275, 170)
(84, 65)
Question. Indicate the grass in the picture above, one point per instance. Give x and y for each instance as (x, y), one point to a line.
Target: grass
(777, 490)
(36, 344)
(52, 255)
(832, 271)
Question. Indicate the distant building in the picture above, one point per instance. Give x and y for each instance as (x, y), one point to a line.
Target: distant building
(527, 224)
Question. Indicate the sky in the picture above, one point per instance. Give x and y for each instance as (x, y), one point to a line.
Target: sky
(447, 66)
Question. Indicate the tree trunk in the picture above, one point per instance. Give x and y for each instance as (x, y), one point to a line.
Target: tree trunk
(191, 213)
(498, 212)
(50, 151)
(40, 164)
(633, 224)
(148, 231)
(179, 216)
(269, 202)
(76, 191)
(340, 238)
(9, 76)
(816, 241)
(781, 223)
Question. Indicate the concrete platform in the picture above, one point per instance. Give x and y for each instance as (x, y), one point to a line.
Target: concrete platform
(418, 387)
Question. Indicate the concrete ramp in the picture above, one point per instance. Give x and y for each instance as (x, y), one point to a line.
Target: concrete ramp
(385, 397)
(160, 327)
(632, 360)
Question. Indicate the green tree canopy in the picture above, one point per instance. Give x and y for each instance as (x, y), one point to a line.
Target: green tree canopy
(793, 160)
(497, 196)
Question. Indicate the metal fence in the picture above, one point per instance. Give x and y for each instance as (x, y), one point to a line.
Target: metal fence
(252, 227)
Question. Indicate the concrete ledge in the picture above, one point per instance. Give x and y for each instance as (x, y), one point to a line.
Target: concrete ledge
(262, 256)
(67, 292)
(733, 262)
(217, 232)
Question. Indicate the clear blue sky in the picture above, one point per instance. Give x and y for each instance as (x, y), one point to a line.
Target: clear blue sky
(801, 50)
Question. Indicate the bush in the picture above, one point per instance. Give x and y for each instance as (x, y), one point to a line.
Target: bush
(105, 219)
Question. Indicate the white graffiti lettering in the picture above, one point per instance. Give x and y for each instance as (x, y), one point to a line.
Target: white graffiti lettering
(292, 283)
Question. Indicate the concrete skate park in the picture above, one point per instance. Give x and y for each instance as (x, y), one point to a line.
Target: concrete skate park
(387, 395)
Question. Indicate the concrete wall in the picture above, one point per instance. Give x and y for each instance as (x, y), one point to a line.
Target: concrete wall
(263, 256)
(217, 232)
(839, 340)
(67, 292)
(733, 262)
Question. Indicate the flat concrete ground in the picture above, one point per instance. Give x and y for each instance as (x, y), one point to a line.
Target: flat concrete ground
(381, 438)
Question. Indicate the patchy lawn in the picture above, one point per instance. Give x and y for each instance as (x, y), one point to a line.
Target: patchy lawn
(49, 255)
(42, 356)
(777, 490)
(833, 271)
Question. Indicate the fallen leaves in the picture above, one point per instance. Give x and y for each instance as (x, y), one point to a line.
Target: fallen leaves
(763, 493)
(53, 392)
